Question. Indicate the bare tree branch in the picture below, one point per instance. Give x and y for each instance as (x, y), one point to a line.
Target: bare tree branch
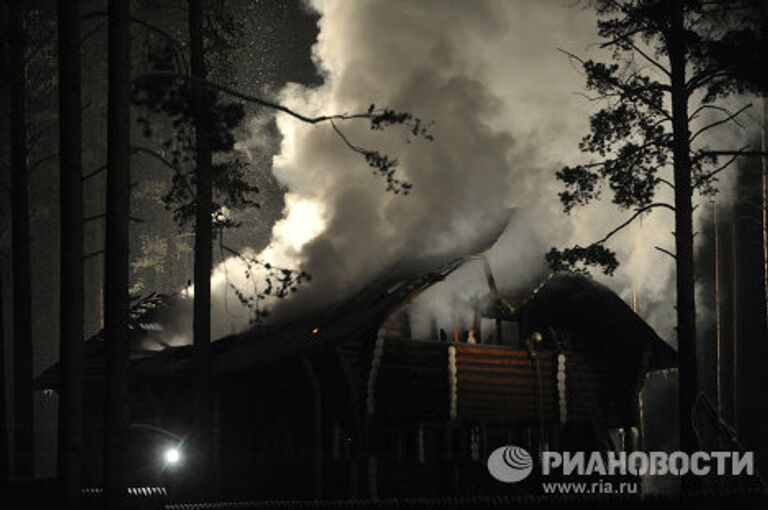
(156, 155)
(665, 181)
(717, 170)
(703, 107)
(720, 122)
(178, 51)
(257, 100)
(632, 218)
(102, 215)
(43, 160)
(650, 59)
(734, 153)
(667, 252)
(94, 172)
(635, 92)
(135, 150)
(347, 142)
(702, 79)
(92, 255)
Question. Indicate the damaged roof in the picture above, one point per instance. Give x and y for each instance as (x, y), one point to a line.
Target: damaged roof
(566, 300)
(580, 304)
(572, 301)
(353, 317)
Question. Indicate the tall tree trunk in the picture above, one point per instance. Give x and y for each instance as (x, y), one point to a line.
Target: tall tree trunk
(71, 306)
(726, 316)
(203, 245)
(764, 145)
(751, 340)
(686, 303)
(24, 433)
(116, 302)
(5, 471)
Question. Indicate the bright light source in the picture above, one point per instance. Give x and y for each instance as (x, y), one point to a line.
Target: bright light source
(172, 456)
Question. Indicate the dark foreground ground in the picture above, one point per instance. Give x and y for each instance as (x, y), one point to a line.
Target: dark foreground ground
(34, 496)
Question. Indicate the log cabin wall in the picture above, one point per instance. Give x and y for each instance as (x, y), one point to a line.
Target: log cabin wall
(436, 410)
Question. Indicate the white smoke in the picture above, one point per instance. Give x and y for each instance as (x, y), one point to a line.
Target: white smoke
(507, 113)
(506, 116)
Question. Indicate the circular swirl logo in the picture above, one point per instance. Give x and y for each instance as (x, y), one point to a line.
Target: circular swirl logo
(510, 464)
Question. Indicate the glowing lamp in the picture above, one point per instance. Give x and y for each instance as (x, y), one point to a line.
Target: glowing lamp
(172, 456)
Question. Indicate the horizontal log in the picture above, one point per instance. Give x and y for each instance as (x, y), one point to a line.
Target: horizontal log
(508, 372)
(512, 393)
(503, 379)
(498, 350)
(508, 406)
(516, 401)
(499, 392)
(462, 360)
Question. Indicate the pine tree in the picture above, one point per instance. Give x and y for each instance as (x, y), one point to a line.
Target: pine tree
(662, 83)
(116, 298)
(72, 298)
(24, 443)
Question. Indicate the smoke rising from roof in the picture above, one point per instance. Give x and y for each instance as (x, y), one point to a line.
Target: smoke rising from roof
(507, 111)
(506, 117)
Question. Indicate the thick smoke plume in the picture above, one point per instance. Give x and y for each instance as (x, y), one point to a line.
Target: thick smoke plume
(506, 117)
(507, 113)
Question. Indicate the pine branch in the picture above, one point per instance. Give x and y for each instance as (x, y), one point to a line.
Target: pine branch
(734, 153)
(667, 252)
(719, 169)
(632, 218)
(665, 181)
(258, 100)
(729, 118)
(648, 58)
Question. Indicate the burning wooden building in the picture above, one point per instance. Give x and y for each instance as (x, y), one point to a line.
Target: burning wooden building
(346, 404)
